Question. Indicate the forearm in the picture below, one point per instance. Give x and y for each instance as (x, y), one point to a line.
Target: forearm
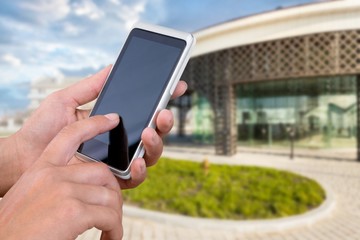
(9, 169)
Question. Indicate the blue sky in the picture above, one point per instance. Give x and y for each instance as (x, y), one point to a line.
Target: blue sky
(77, 37)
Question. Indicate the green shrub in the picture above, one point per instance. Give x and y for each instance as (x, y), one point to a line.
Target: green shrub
(223, 191)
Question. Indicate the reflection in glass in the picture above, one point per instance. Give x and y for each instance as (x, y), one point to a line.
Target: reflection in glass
(320, 112)
(118, 153)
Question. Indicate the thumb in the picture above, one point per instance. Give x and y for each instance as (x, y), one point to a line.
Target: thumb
(63, 147)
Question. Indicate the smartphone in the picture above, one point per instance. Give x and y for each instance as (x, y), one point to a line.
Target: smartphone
(139, 85)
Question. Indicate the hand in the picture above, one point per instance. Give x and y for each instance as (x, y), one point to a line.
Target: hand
(61, 109)
(54, 200)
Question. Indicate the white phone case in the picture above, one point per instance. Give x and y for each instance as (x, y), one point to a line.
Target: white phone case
(169, 90)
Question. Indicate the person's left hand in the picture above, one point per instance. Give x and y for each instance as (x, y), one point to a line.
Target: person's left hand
(60, 109)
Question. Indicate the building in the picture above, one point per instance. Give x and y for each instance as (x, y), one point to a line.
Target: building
(11, 123)
(42, 87)
(39, 90)
(289, 77)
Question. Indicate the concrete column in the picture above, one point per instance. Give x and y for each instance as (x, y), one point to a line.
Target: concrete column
(358, 116)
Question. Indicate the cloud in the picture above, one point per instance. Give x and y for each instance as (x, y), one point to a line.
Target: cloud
(115, 2)
(42, 12)
(88, 9)
(11, 60)
(63, 36)
(71, 29)
(130, 14)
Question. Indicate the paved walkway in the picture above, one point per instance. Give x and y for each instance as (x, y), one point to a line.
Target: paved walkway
(339, 221)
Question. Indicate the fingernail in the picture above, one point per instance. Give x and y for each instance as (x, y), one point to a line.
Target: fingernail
(112, 116)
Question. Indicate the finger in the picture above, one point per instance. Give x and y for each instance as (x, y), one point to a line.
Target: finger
(94, 173)
(63, 147)
(153, 146)
(180, 89)
(103, 218)
(138, 174)
(85, 90)
(105, 236)
(92, 194)
(164, 122)
(82, 113)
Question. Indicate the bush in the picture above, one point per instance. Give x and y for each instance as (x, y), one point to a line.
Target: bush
(226, 192)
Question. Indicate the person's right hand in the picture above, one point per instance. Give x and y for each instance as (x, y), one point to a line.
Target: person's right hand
(54, 200)
(60, 109)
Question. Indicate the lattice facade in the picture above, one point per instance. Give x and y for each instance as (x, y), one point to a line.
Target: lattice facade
(215, 75)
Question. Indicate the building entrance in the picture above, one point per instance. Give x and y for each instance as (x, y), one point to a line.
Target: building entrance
(316, 115)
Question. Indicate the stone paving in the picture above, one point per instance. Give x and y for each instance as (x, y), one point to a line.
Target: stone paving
(341, 178)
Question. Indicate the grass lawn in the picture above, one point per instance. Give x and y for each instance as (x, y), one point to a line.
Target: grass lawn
(226, 192)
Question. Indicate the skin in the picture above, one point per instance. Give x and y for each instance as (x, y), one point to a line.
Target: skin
(40, 156)
(56, 200)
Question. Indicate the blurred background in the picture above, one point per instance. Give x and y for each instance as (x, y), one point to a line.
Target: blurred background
(268, 80)
(46, 45)
(271, 77)
(304, 99)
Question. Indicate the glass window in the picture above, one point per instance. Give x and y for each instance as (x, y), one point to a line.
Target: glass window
(319, 112)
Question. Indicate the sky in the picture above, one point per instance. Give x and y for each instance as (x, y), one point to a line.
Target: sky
(57, 38)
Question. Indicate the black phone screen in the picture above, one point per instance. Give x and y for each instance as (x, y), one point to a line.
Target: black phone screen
(133, 90)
